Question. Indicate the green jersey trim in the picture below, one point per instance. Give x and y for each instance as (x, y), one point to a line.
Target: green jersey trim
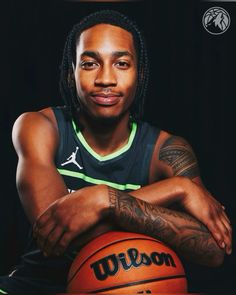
(3, 292)
(112, 155)
(98, 181)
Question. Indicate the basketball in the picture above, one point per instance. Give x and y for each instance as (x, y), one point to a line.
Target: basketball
(123, 262)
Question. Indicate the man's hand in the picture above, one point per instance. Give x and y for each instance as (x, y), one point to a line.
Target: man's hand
(177, 158)
(69, 217)
(199, 203)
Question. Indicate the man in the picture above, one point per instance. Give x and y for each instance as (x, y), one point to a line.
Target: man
(121, 173)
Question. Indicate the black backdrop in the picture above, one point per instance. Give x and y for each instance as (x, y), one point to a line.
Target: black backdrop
(191, 94)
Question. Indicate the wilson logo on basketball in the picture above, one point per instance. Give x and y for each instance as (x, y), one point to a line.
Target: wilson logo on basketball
(109, 265)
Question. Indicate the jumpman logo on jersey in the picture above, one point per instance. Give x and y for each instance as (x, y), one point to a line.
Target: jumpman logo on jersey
(72, 159)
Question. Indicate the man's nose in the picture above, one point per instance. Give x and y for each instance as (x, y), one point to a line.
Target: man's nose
(106, 76)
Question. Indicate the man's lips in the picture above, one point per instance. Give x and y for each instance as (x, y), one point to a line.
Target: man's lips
(106, 99)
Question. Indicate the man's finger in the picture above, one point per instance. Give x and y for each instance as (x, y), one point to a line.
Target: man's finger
(226, 217)
(228, 238)
(226, 224)
(216, 233)
(52, 239)
(40, 222)
(226, 234)
(62, 245)
(43, 232)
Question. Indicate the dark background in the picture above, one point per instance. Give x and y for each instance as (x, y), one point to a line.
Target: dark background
(191, 94)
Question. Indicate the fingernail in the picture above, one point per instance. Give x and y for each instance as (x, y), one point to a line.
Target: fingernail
(229, 251)
(223, 245)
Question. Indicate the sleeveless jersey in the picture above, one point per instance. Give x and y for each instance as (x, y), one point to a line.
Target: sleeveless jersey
(126, 169)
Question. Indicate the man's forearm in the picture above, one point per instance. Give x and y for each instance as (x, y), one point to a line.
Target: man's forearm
(164, 192)
(188, 237)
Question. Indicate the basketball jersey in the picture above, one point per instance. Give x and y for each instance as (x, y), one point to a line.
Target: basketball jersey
(126, 169)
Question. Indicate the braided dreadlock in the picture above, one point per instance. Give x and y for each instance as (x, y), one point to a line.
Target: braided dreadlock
(68, 90)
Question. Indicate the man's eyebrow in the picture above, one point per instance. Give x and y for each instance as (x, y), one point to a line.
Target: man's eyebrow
(96, 55)
(93, 54)
(122, 53)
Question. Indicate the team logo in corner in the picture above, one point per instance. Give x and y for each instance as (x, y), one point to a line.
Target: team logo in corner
(72, 159)
(216, 20)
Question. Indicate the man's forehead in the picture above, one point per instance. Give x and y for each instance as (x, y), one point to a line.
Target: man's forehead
(105, 35)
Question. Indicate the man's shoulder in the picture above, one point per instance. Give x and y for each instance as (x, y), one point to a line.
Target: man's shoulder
(42, 118)
(34, 127)
(34, 119)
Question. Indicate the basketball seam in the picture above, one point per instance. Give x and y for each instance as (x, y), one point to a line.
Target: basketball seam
(137, 283)
(113, 243)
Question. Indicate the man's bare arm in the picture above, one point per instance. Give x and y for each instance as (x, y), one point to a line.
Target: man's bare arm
(68, 218)
(179, 158)
(38, 182)
(182, 232)
(176, 158)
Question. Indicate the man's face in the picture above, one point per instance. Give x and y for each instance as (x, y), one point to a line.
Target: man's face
(106, 71)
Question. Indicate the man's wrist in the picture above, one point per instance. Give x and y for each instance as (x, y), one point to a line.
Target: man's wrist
(183, 186)
(103, 200)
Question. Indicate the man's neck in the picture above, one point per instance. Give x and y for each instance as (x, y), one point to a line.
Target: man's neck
(105, 136)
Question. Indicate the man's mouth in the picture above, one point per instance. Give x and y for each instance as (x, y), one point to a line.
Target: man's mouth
(106, 99)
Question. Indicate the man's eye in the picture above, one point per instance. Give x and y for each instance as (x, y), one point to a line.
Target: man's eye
(88, 65)
(122, 64)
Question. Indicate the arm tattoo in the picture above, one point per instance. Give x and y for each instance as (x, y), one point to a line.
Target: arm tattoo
(177, 154)
(179, 230)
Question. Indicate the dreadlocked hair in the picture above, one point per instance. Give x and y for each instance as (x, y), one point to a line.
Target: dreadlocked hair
(68, 89)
